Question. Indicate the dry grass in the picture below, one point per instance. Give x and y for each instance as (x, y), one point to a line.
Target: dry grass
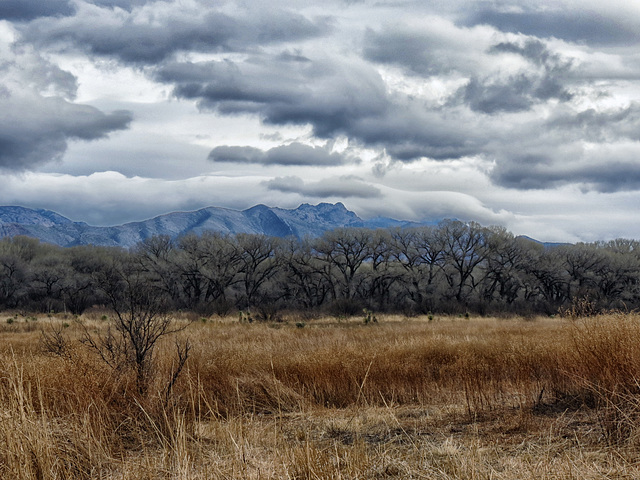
(452, 398)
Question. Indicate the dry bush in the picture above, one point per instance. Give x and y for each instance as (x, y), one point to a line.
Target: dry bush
(581, 307)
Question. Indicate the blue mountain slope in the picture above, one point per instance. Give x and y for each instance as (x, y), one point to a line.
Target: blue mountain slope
(306, 220)
(27, 216)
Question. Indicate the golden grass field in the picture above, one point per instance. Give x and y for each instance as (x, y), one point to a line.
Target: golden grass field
(451, 398)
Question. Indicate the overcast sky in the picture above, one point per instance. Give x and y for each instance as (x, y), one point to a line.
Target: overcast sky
(515, 113)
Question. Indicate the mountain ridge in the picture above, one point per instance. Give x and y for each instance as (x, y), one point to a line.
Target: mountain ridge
(306, 220)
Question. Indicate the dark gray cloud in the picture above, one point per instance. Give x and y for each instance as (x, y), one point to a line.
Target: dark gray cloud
(527, 172)
(428, 54)
(137, 38)
(418, 52)
(328, 95)
(543, 81)
(531, 49)
(335, 98)
(35, 130)
(124, 4)
(292, 56)
(342, 187)
(598, 150)
(574, 25)
(606, 171)
(514, 94)
(37, 114)
(292, 154)
(510, 96)
(616, 174)
(410, 129)
(24, 10)
(599, 126)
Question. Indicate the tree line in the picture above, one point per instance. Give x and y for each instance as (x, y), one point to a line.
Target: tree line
(453, 267)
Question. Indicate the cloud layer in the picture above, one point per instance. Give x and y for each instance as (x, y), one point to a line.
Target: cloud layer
(341, 187)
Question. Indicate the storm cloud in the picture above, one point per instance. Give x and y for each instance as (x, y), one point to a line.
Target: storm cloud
(335, 98)
(441, 48)
(524, 89)
(293, 154)
(148, 34)
(22, 10)
(577, 25)
(619, 172)
(124, 4)
(38, 115)
(514, 94)
(36, 130)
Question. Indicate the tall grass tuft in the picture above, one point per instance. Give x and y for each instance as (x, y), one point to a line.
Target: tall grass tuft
(605, 365)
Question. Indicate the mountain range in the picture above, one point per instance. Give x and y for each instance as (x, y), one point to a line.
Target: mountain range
(306, 220)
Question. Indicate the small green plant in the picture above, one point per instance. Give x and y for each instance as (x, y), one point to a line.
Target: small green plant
(203, 320)
(104, 318)
(369, 317)
(430, 317)
(10, 320)
(300, 324)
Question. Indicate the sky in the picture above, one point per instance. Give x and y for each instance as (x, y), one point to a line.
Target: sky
(505, 112)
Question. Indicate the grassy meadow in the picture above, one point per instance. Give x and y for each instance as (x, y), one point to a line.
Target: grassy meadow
(327, 398)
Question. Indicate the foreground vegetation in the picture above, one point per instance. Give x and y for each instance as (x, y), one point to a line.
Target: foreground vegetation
(325, 398)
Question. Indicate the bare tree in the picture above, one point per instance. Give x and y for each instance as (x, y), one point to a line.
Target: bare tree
(141, 320)
(420, 253)
(304, 283)
(505, 260)
(260, 260)
(344, 250)
(465, 248)
(222, 261)
(48, 277)
(383, 272)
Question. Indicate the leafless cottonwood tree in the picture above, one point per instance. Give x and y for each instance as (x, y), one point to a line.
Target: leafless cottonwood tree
(140, 320)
